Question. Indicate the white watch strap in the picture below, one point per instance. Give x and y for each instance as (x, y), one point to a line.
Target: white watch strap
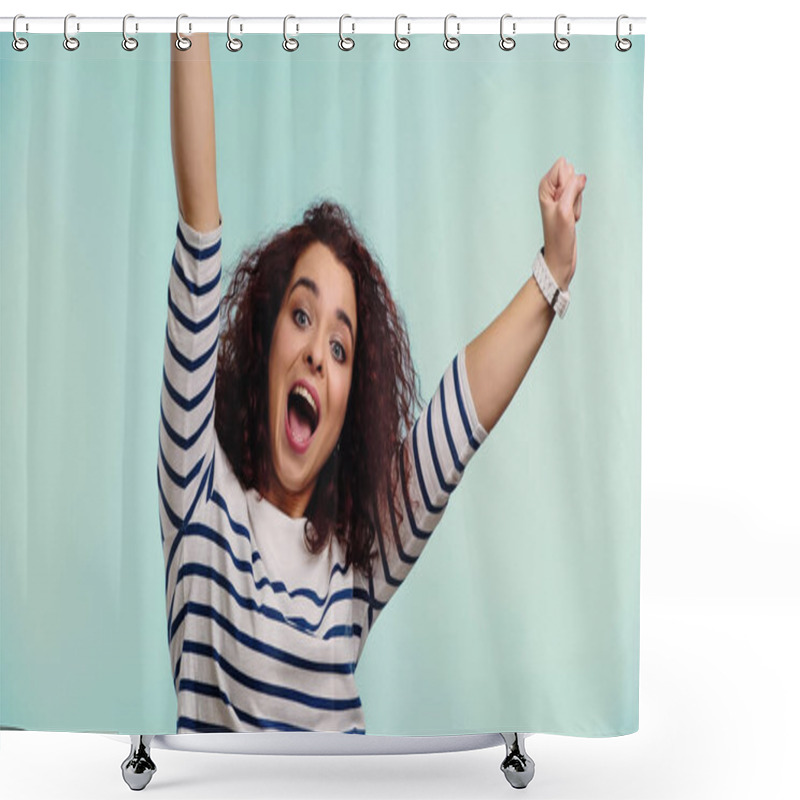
(558, 299)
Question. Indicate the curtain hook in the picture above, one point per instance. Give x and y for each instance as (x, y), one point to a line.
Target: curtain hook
(182, 42)
(451, 42)
(19, 44)
(233, 44)
(346, 43)
(289, 44)
(507, 42)
(623, 45)
(128, 42)
(70, 42)
(400, 42)
(561, 43)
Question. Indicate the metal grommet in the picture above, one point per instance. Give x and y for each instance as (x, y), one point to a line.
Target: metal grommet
(289, 44)
(181, 43)
(128, 42)
(233, 44)
(345, 43)
(18, 43)
(560, 43)
(400, 42)
(507, 42)
(623, 45)
(451, 42)
(70, 42)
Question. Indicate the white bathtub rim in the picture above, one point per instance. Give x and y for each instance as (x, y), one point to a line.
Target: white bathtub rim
(320, 744)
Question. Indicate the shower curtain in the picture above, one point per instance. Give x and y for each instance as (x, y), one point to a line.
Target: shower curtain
(521, 611)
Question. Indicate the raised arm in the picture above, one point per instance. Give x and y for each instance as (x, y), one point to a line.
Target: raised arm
(472, 395)
(186, 433)
(499, 358)
(193, 143)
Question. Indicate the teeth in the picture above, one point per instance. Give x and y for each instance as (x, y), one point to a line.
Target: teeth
(303, 392)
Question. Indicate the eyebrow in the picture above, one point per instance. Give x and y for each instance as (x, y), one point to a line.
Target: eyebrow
(340, 314)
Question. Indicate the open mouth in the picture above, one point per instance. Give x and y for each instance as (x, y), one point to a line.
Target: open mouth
(302, 416)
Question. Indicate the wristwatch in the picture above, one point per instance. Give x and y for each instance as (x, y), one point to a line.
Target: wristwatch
(557, 299)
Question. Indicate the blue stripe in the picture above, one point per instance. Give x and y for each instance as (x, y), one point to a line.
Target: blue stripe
(180, 525)
(179, 480)
(198, 254)
(205, 727)
(171, 609)
(278, 587)
(187, 403)
(191, 325)
(360, 594)
(174, 519)
(343, 631)
(201, 610)
(450, 443)
(271, 689)
(211, 474)
(176, 438)
(199, 491)
(462, 408)
(196, 289)
(200, 727)
(446, 487)
(170, 557)
(236, 527)
(432, 509)
(187, 363)
(418, 532)
(204, 571)
(196, 687)
(404, 557)
(387, 574)
(372, 602)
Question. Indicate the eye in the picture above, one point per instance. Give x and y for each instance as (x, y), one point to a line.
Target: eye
(338, 351)
(301, 318)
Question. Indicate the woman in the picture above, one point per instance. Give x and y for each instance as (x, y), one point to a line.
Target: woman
(296, 492)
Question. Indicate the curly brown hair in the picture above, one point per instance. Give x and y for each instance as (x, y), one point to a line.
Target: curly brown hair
(362, 474)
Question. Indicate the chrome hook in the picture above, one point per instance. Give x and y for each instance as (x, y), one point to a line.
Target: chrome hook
(507, 42)
(346, 43)
(182, 42)
(128, 42)
(451, 42)
(623, 45)
(561, 43)
(233, 44)
(400, 42)
(289, 44)
(19, 44)
(70, 42)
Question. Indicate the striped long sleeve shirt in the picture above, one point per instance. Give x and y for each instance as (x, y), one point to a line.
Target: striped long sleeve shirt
(263, 635)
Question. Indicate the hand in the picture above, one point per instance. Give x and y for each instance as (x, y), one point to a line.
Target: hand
(560, 194)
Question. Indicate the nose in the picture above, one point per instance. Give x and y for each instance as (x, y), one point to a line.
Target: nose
(314, 361)
(315, 350)
(310, 362)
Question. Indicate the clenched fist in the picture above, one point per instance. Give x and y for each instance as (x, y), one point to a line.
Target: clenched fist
(560, 194)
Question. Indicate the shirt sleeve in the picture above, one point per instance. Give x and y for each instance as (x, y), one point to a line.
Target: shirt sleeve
(443, 440)
(186, 432)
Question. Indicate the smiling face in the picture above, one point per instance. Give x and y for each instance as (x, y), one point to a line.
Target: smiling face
(310, 372)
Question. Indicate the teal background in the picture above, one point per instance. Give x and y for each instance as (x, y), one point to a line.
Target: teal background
(523, 613)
